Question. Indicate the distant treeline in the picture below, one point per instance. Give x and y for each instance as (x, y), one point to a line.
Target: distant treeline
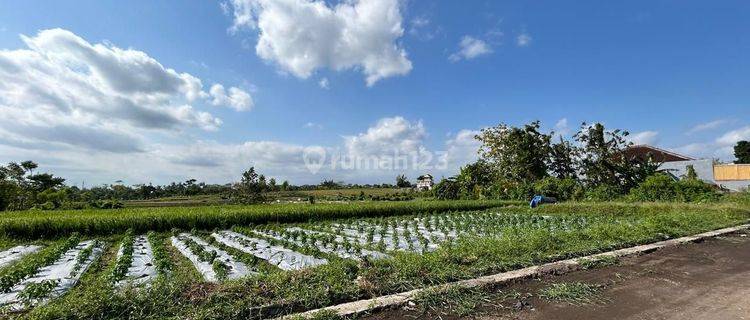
(21, 188)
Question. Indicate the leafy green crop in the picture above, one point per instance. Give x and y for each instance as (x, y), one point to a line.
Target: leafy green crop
(13, 274)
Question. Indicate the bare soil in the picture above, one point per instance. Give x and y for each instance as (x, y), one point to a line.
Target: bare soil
(706, 280)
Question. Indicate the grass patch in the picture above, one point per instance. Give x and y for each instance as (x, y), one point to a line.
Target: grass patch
(452, 300)
(576, 293)
(600, 262)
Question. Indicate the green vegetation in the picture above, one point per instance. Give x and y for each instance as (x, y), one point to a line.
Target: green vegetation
(517, 237)
(34, 224)
(577, 293)
(11, 275)
(123, 263)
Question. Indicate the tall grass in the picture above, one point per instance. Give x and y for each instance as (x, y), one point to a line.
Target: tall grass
(50, 224)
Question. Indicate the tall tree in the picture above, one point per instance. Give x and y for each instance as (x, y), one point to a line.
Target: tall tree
(742, 152)
(563, 160)
(603, 160)
(402, 181)
(516, 153)
(249, 189)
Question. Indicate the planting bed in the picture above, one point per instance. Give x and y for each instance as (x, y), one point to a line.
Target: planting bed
(52, 280)
(261, 270)
(8, 256)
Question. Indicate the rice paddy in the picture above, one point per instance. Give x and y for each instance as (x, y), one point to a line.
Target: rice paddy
(281, 265)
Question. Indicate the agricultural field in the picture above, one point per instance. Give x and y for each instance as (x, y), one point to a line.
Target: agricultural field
(265, 261)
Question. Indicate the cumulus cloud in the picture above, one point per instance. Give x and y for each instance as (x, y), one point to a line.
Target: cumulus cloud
(644, 137)
(461, 149)
(301, 36)
(470, 48)
(236, 98)
(62, 89)
(523, 40)
(323, 83)
(388, 136)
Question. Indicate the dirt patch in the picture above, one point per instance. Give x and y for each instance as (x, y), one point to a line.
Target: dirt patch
(707, 280)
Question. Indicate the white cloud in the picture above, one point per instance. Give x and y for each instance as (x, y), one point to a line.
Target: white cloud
(707, 126)
(644, 137)
(420, 28)
(562, 128)
(65, 91)
(732, 137)
(301, 36)
(462, 149)
(470, 48)
(323, 83)
(388, 136)
(523, 40)
(312, 125)
(237, 98)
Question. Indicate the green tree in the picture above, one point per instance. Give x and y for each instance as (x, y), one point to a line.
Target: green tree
(603, 161)
(447, 189)
(563, 161)
(249, 189)
(742, 152)
(516, 153)
(402, 181)
(475, 179)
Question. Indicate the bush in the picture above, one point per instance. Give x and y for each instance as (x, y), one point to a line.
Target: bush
(561, 189)
(447, 189)
(660, 187)
(602, 193)
(694, 190)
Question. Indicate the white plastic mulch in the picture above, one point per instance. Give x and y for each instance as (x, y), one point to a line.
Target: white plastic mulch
(338, 250)
(62, 271)
(236, 269)
(142, 269)
(281, 257)
(15, 253)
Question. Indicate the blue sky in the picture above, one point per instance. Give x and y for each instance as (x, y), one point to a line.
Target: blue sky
(675, 73)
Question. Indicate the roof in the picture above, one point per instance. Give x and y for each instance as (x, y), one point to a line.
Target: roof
(425, 176)
(644, 151)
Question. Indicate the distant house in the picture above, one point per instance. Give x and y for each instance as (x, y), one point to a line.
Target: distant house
(644, 151)
(734, 177)
(425, 182)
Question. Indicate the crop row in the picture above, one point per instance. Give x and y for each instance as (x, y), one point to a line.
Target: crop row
(28, 224)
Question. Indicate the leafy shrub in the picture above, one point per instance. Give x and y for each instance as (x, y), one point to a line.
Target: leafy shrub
(660, 187)
(694, 190)
(602, 193)
(562, 189)
(447, 189)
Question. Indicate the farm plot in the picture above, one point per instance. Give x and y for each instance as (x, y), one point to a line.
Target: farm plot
(51, 280)
(282, 268)
(13, 254)
(377, 237)
(214, 264)
(135, 261)
(279, 256)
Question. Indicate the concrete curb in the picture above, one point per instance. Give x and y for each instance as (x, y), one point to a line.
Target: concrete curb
(557, 267)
